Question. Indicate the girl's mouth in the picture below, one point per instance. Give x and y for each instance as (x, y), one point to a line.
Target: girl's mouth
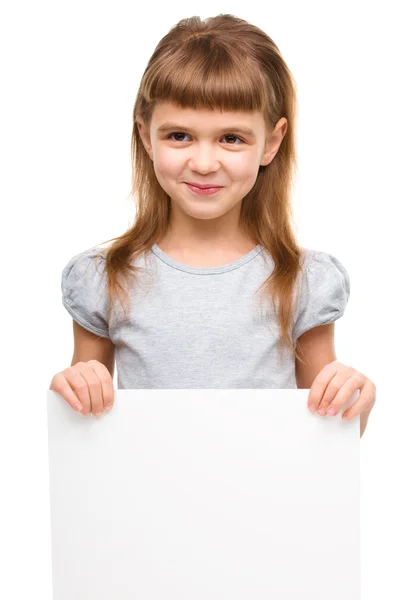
(204, 191)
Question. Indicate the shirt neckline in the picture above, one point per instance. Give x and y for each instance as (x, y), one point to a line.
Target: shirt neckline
(206, 270)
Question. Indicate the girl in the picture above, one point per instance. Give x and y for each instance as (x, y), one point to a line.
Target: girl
(209, 288)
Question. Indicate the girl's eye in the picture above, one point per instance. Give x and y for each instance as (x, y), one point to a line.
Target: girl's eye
(226, 135)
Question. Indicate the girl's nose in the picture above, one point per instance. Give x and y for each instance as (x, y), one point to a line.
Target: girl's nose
(204, 160)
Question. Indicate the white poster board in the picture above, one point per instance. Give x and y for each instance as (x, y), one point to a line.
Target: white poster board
(204, 494)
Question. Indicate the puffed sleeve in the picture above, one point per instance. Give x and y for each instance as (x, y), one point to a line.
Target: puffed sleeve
(84, 291)
(324, 291)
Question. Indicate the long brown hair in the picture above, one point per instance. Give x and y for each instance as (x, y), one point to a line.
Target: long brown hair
(221, 63)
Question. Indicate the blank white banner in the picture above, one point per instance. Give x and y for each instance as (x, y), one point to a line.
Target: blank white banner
(204, 494)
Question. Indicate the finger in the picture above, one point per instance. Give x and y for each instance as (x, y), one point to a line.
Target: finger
(364, 402)
(320, 384)
(106, 382)
(60, 384)
(355, 382)
(345, 393)
(95, 387)
(79, 385)
(330, 398)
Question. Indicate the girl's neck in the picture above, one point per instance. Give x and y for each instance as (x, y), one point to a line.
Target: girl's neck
(201, 254)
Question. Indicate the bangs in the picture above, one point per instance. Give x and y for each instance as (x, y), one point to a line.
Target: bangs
(204, 75)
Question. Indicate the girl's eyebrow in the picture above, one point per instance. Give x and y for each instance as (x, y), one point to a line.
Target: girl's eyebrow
(244, 130)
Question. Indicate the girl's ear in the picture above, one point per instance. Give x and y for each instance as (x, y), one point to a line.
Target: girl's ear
(144, 135)
(274, 141)
(140, 125)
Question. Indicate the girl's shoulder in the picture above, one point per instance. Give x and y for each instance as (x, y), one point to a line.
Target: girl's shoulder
(323, 292)
(83, 263)
(319, 265)
(84, 293)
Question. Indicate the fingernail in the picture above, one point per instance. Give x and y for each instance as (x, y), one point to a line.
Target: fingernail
(312, 407)
(108, 407)
(331, 411)
(322, 411)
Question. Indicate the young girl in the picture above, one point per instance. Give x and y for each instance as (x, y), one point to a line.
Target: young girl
(209, 287)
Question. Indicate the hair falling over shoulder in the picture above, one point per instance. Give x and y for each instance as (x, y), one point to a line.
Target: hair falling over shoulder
(221, 63)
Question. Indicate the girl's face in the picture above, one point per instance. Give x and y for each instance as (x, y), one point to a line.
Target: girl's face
(208, 147)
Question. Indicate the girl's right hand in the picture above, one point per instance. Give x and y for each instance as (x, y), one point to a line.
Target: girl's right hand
(86, 387)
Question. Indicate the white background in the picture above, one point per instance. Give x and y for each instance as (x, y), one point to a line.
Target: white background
(70, 73)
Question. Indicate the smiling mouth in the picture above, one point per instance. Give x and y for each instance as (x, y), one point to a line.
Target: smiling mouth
(203, 186)
(207, 191)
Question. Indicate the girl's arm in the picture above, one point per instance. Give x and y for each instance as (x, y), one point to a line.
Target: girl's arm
(89, 346)
(317, 348)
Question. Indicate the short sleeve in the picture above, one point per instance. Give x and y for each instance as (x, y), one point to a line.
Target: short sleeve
(84, 290)
(324, 291)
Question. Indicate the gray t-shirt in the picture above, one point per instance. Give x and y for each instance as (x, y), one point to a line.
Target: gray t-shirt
(192, 327)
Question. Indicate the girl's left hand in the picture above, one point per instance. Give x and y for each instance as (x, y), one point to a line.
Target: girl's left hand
(334, 386)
